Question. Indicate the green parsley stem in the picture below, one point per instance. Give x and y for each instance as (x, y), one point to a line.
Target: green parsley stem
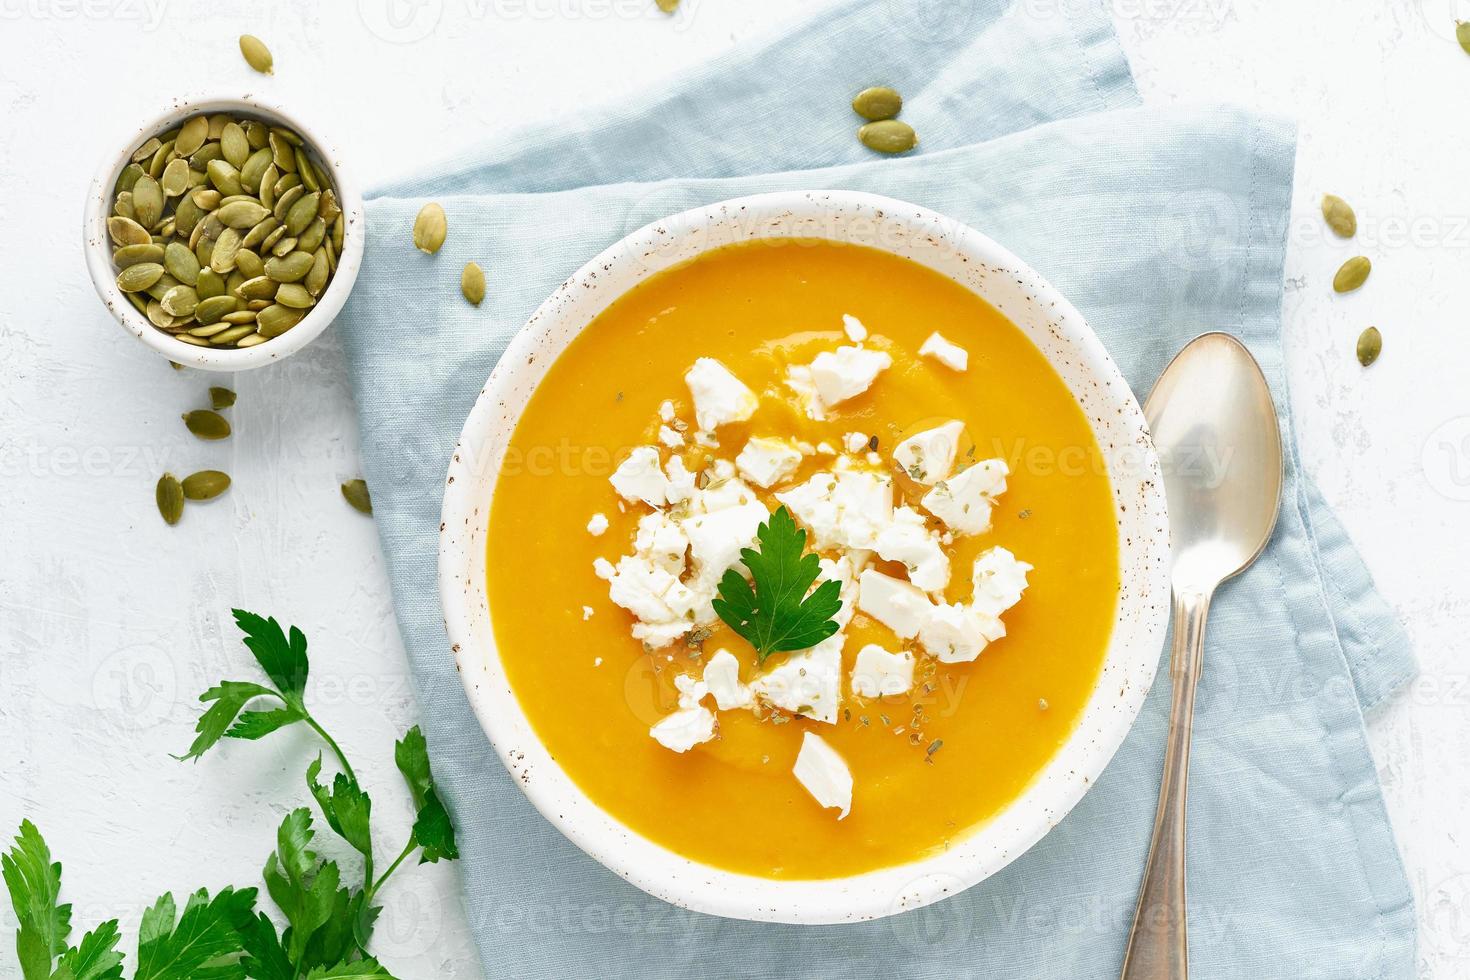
(407, 850)
(332, 744)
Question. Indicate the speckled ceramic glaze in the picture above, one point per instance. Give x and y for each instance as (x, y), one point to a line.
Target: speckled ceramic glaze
(1057, 329)
(98, 248)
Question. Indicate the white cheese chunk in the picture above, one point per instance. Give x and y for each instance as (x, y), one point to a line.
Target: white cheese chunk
(586, 613)
(956, 633)
(855, 442)
(661, 541)
(999, 579)
(809, 683)
(951, 355)
(897, 604)
(824, 774)
(719, 396)
(679, 486)
(843, 510)
(928, 456)
(597, 526)
(670, 437)
(767, 462)
(844, 571)
(879, 673)
(722, 679)
(666, 411)
(964, 501)
(853, 327)
(909, 541)
(799, 380)
(715, 539)
(685, 728)
(846, 373)
(640, 477)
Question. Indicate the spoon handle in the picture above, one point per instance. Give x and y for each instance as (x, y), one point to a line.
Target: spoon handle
(1158, 945)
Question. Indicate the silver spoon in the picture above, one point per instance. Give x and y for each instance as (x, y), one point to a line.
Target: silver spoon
(1215, 427)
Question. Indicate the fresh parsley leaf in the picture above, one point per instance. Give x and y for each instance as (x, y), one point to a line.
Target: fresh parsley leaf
(432, 828)
(778, 614)
(283, 659)
(258, 724)
(207, 930)
(96, 958)
(345, 806)
(229, 698)
(304, 887)
(265, 957)
(362, 968)
(34, 883)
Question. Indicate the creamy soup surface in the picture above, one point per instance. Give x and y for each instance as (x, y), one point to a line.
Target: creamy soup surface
(928, 765)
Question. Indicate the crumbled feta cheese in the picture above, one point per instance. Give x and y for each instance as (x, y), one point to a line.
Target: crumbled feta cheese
(799, 380)
(928, 456)
(685, 728)
(722, 679)
(715, 539)
(597, 661)
(897, 604)
(964, 501)
(842, 510)
(597, 526)
(826, 449)
(691, 691)
(855, 442)
(661, 541)
(846, 373)
(856, 332)
(956, 633)
(640, 477)
(719, 396)
(586, 613)
(670, 437)
(604, 569)
(951, 355)
(879, 673)
(909, 541)
(666, 411)
(844, 571)
(824, 774)
(766, 462)
(809, 683)
(998, 580)
(874, 459)
(706, 441)
(679, 486)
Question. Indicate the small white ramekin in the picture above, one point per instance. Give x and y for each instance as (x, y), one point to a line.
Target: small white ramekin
(98, 247)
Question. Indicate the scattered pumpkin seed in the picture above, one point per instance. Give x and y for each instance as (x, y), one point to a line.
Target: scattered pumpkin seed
(668, 6)
(877, 103)
(1354, 273)
(1462, 34)
(1370, 345)
(205, 485)
(430, 228)
(207, 424)
(211, 219)
(256, 54)
(169, 495)
(472, 283)
(355, 492)
(1339, 215)
(888, 136)
(221, 398)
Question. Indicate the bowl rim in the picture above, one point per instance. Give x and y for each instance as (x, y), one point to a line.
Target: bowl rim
(96, 245)
(1126, 676)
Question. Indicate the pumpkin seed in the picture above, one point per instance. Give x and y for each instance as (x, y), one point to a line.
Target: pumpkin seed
(249, 264)
(294, 295)
(241, 214)
(147, 201)
(234, 145)
(311, 238)
(1354, 273)
(283, 247)
(181, 263)
(1370, 345)
(430, 228)
(207, 424)
(239, 318)
(146, 151)
(268, 180)
(888, 136)
(877, 103)
(283, 154)
(175, 178)
(256, 54)
(251, 340)
(233, 334)
(289, 268)
(316, 277)
(254, 169)
(209, 331)
(224, 177)
(205, 485)
(1339, 216)
(126, 231)
(210, 310)
(222, 256)
(192, 136)
(127, 178)
(258, 133)
(156, 315)
(260, 287)
(180, 301)
(133, 254)
(355, 492)
(210, 284)
(472, 283)
(302, 212)
(1462, 34)
(276, 320)
(191, 341)
(668, 6)
(123, 206)
(136, 278)
(169, 495)
(207, 198)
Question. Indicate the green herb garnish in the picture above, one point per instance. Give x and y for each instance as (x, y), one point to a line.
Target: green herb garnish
(778, 615)
(328, 921)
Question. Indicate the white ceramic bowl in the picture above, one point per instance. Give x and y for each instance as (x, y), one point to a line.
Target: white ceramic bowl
(1074, 351)
(98, 247)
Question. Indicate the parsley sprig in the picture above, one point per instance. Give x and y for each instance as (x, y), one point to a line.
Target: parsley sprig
(328, 923)
(777, 614)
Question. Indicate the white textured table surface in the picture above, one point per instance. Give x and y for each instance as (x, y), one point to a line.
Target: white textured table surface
(112, 623)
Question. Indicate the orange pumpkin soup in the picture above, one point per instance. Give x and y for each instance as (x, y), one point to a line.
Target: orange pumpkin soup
(927, 765)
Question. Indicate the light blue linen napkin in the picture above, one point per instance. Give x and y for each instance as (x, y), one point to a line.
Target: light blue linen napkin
(1158, 224)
